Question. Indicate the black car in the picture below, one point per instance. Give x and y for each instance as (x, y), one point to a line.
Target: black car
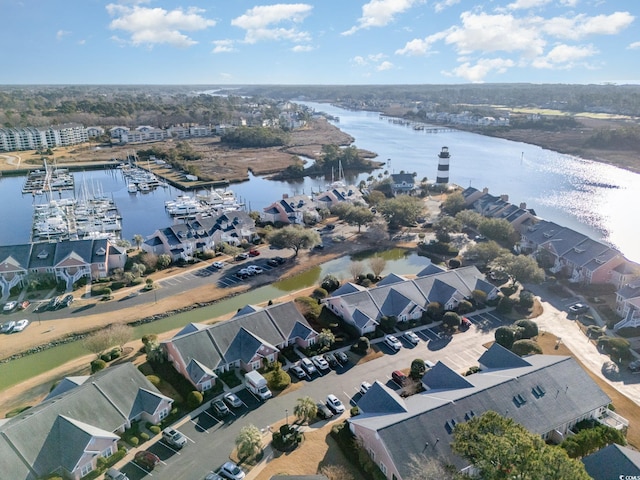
(318, 247)
(341, 357)
(67, 300)
(323, 411)
(280, 260)
(272, 262)
(53, 303)
(331, 360)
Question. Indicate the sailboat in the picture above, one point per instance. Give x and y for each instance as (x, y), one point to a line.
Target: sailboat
(340, 183)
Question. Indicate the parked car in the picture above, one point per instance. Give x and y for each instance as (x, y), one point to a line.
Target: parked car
(174, 438)
(231, 471)
(219, 407)
(272, 262)
(53, 303)
(334, 404)
(242, 274)
(115, 474)
(318, 247)
(242, 256)
(257, 270)
(254, 253)
(393, 342)
(7, 327)
(634, 366)
(331, 360)
(578, 308)
(218, 265)
(342, 358)
(232, 400)
(24, 304)
(320, 362)
(298, 372)
(399, 377)
(20, 325)
(308, 366)
(9, 306)
(364, 387)
(146, 459)
(67, 300)
(280, 260)
(213, 476)
(412, 337)
(331, 226)
(465, 323)
(323, 411)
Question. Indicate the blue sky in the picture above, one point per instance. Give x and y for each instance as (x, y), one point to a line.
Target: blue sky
(319, 41)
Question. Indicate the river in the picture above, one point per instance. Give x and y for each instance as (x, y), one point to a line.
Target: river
(589, 197)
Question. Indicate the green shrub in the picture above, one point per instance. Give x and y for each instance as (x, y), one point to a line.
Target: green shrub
(154, 379)
(133, 441)
(320, 293)
(105, 357)
(16, 411)
(144, 436)
(451, 320)
(97, 365)
(526, 347)
(155, 429)
(194, 399)
(529, 328)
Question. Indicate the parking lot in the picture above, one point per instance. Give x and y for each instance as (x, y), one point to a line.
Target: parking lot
(211, 436)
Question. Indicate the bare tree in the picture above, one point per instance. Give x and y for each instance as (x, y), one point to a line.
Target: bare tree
(356, 269)
(97, 342)
(120, 334)
(377, 265)
(424, 467)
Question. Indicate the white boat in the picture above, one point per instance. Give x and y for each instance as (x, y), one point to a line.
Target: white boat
(144, 187)
(132, 188)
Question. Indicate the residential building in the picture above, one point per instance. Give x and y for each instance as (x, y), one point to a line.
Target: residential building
(291, 210)
(185, 239)
(402, 183)
(68, 261)
(547, 394)
(33, 138)
(245, 342)
(336, 195)
(79, 422)
(407, 299)
(612, 463)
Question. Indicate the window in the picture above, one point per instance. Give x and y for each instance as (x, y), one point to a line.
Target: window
(164, 413)
(383, 468)
(256, 365)
(107, 452)
(84, 471)
(206, 386)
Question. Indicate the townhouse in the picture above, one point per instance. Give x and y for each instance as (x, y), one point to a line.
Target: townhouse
(547, 394)
(407, 299)
(183, 240)
(78, 423)
(67, 260)
(246, 341)
(291, 210)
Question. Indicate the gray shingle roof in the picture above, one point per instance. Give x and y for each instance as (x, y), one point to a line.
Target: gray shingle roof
(567, 393)
(612, 463)
(102, 402)
(497, 357)
(381, 399)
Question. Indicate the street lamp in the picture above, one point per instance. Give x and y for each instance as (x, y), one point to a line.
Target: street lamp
(286, 414)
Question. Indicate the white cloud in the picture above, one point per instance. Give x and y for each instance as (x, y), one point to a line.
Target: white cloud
(384, 66)
(525, 4)
(440, 6)
(60, 34)
(223, 46)
(582, 25)
(302, 48)
(634, 45)
(150, 26)
(418, 46)
(358, 60)
(259, 22)
(564, 56)
(378, 13)
(82, 42)
(476, 73)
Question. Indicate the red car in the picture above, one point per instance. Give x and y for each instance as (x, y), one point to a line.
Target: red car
(465, 323)
(253, 252)
(146, 460)
(24, 304)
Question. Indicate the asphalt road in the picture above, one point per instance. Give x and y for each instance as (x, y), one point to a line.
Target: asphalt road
(211, 438)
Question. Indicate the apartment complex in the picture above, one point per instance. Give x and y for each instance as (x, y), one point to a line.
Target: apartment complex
(34, 138)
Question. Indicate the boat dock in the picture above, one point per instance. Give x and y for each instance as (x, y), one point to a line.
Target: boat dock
(40, 181)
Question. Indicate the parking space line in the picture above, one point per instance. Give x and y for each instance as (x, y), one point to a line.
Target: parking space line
(169, 447)
(212, 416)
(199, 426)
(143, 469)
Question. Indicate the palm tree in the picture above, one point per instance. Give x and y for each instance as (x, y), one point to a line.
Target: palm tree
(305, 409)
(248, 441)
(138, 239)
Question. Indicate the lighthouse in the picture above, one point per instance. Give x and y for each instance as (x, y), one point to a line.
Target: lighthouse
(443, 166)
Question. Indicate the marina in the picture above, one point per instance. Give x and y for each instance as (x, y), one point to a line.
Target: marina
(48, 180)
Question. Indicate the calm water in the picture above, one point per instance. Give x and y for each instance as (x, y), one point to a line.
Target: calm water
(589, 197)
